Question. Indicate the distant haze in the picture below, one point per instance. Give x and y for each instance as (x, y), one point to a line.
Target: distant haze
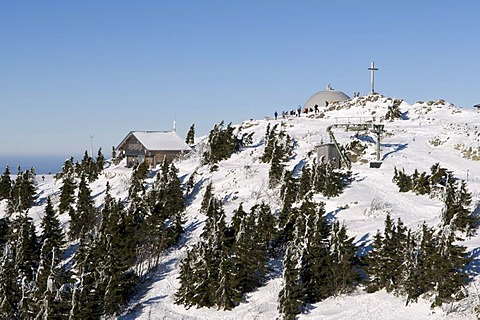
(42, 164)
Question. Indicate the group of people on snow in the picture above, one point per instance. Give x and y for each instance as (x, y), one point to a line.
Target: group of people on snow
(298, 111)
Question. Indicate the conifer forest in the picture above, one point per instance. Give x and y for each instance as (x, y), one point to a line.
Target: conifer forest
(251, 208)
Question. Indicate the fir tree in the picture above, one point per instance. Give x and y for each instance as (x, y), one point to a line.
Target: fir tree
(139, 230)
(26, 306)
(456, 211)
(393, 112)
(205, 260)
(449, 276)
(88, 292)
(49, 294)
(223, 142)
(5, 184)
(344, 264)
(84, 216)
(245, 254)
(387, 259)
(165, 222)
(391, 251)
(305, 183)
(266, 223)
(157, 235)
(320, 177)
(190, 139)
(207, 196)
(465, 220)
(26, 252)
(316, 268)
(68, 167)
(270, 143)
(251, 248)
(53, 241)
(281, 142)
(100, 163)
(116, 160)
(10, 293)
(227, 294)
(137, 188)
(329, 181)
(375, 264)
(214, 229)
(288, 147)
(449, 210)
(190, 185)
(335, 181)
(67, 191)
(238, 218)
(4, 231)
(85, 166)
(291, 298)
(51, 231)
(118, 259)
(276, 168)
(205, 277)
(439, 175)
(403, 181)
(288, 192)
(400, 259)
(174, 202)
(23, 194)
(88, 167)
(422, 184)
(25, 247)
(293, 295)
(419, 280)
(186, 291)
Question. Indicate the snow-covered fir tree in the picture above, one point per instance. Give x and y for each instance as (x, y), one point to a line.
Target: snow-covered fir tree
(5, 184)
(190, 139)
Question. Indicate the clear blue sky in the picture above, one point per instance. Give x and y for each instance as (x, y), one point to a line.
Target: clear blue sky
(69, 69)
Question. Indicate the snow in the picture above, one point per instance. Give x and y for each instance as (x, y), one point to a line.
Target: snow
(161, 140)
(428, 133)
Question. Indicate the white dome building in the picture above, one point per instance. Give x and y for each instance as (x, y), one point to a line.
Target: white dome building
(322, 97)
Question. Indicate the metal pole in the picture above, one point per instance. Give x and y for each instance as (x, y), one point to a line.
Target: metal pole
(91, 146)
(378, 130)
(378, 145)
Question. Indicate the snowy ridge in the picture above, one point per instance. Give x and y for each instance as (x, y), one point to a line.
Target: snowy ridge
(426, 133)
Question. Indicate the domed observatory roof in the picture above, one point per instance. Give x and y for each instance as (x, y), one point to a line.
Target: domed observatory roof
(321, 97)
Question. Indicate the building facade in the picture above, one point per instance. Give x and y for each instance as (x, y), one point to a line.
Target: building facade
(152, 147)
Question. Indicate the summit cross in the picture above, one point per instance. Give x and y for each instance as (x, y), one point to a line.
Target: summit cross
(373, 69)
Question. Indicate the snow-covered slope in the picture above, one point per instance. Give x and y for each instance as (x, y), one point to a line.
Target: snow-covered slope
(427, 133)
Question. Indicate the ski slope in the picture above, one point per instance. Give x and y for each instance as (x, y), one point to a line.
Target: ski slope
(428, 133)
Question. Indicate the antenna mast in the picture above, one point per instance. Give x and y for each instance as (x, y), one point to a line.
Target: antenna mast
(91, 146)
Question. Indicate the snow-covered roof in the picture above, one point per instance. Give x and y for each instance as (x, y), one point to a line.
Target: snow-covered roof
(329, 94)
(159, 140)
